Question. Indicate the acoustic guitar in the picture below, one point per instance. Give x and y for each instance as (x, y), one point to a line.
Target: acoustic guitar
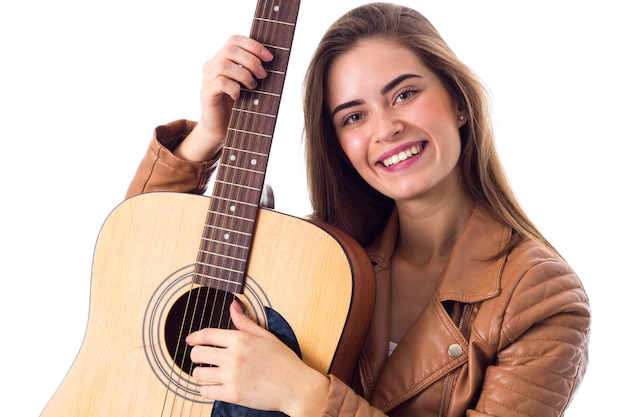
(167, 264)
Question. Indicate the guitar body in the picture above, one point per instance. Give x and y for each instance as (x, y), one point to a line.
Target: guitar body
(319, 280)
(167, 264)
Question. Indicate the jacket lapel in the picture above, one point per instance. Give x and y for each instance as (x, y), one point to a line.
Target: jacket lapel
(420, 359)
(422, 356)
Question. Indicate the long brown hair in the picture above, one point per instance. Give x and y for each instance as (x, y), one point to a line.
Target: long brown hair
(339, 196)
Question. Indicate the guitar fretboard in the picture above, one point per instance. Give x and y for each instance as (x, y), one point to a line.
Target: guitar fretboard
(227, 237)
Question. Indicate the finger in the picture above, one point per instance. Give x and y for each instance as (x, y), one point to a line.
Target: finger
(207, 375)
(248, 54)
(217, 392)
(252, 46)
(210, 337)
(206, 355)
(243, 322)
(244, 60)
(215, 385)
(228, 86)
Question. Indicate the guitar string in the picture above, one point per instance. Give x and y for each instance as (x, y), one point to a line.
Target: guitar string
(226, 223)
(212, 231)
(205, 267)
(242, 142)
(240, 118)
(209, 306)
(176, 354)
(169, 380)
(246, 117)
(239, 139)
(269, 9)
(182, 358)
(263, 34)
(201, 269)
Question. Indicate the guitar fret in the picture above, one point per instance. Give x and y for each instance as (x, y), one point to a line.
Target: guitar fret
(280, 48)
(230, 216)
(226, 191)
(245, 169)
(261, 19)
(226, 243)
(267, 93)
(230, 200)
(218, 255)
(210, 277)
(230, 242)
(249, 133)
(245, 234)
(247, 151)
(221, 268)
(238, 186)
(256, 113)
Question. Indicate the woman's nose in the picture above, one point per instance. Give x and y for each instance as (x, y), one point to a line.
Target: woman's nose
(387, 126)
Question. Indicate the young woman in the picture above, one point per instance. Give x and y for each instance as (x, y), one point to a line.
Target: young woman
(476, 314)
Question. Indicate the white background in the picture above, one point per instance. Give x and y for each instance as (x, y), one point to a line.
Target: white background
(83, 83)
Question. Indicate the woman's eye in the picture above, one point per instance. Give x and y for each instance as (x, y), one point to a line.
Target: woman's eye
(351, 119)
(405, 95)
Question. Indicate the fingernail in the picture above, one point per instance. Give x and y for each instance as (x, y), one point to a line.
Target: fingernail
(266, 55)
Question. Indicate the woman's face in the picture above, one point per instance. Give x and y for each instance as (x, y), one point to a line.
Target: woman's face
(395, 120)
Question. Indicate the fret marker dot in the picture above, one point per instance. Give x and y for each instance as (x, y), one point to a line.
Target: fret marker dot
(226, 236)
(232, 208)
(276, 8)
(256, 101)
(233, 157)
(253, 162)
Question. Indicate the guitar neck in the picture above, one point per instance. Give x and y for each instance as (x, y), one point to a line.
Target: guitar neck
(230, 224)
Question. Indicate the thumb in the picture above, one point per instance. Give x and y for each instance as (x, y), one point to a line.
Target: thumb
(241, 321)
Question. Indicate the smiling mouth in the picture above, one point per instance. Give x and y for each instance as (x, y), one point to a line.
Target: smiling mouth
(402, 156)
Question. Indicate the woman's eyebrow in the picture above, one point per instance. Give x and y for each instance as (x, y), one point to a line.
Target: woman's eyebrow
(388, 87)
(397, 81)
(346, 105)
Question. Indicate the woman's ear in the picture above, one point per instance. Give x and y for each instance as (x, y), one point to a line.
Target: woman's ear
(462, 119)
(462, 116)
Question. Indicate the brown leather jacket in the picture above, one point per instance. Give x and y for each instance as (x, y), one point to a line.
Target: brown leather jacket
(504, 335)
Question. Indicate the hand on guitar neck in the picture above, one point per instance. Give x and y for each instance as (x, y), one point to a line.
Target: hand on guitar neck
(238, 63)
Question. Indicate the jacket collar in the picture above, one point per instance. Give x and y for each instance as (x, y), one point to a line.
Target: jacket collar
(473, 271)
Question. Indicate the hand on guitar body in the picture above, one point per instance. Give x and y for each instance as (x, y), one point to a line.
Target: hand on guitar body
(253, 368)
(238, 63)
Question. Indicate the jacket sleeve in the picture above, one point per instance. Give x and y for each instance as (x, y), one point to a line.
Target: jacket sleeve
(342, 401)
(543, 348)
(160, 170)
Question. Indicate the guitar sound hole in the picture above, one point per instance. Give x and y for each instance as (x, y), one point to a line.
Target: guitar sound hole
(197, 309)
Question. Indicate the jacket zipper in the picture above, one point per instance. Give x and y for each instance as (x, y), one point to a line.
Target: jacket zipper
(442, 403)
(446, 379)
(362, 379)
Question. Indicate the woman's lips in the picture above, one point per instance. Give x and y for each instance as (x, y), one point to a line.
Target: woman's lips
(403, 155)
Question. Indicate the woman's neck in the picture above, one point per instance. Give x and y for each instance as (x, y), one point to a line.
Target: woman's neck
(428, 231)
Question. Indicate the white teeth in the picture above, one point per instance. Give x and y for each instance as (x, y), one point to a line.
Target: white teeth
(403, 156)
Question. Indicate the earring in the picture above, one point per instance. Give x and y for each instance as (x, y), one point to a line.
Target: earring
(461, 117)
